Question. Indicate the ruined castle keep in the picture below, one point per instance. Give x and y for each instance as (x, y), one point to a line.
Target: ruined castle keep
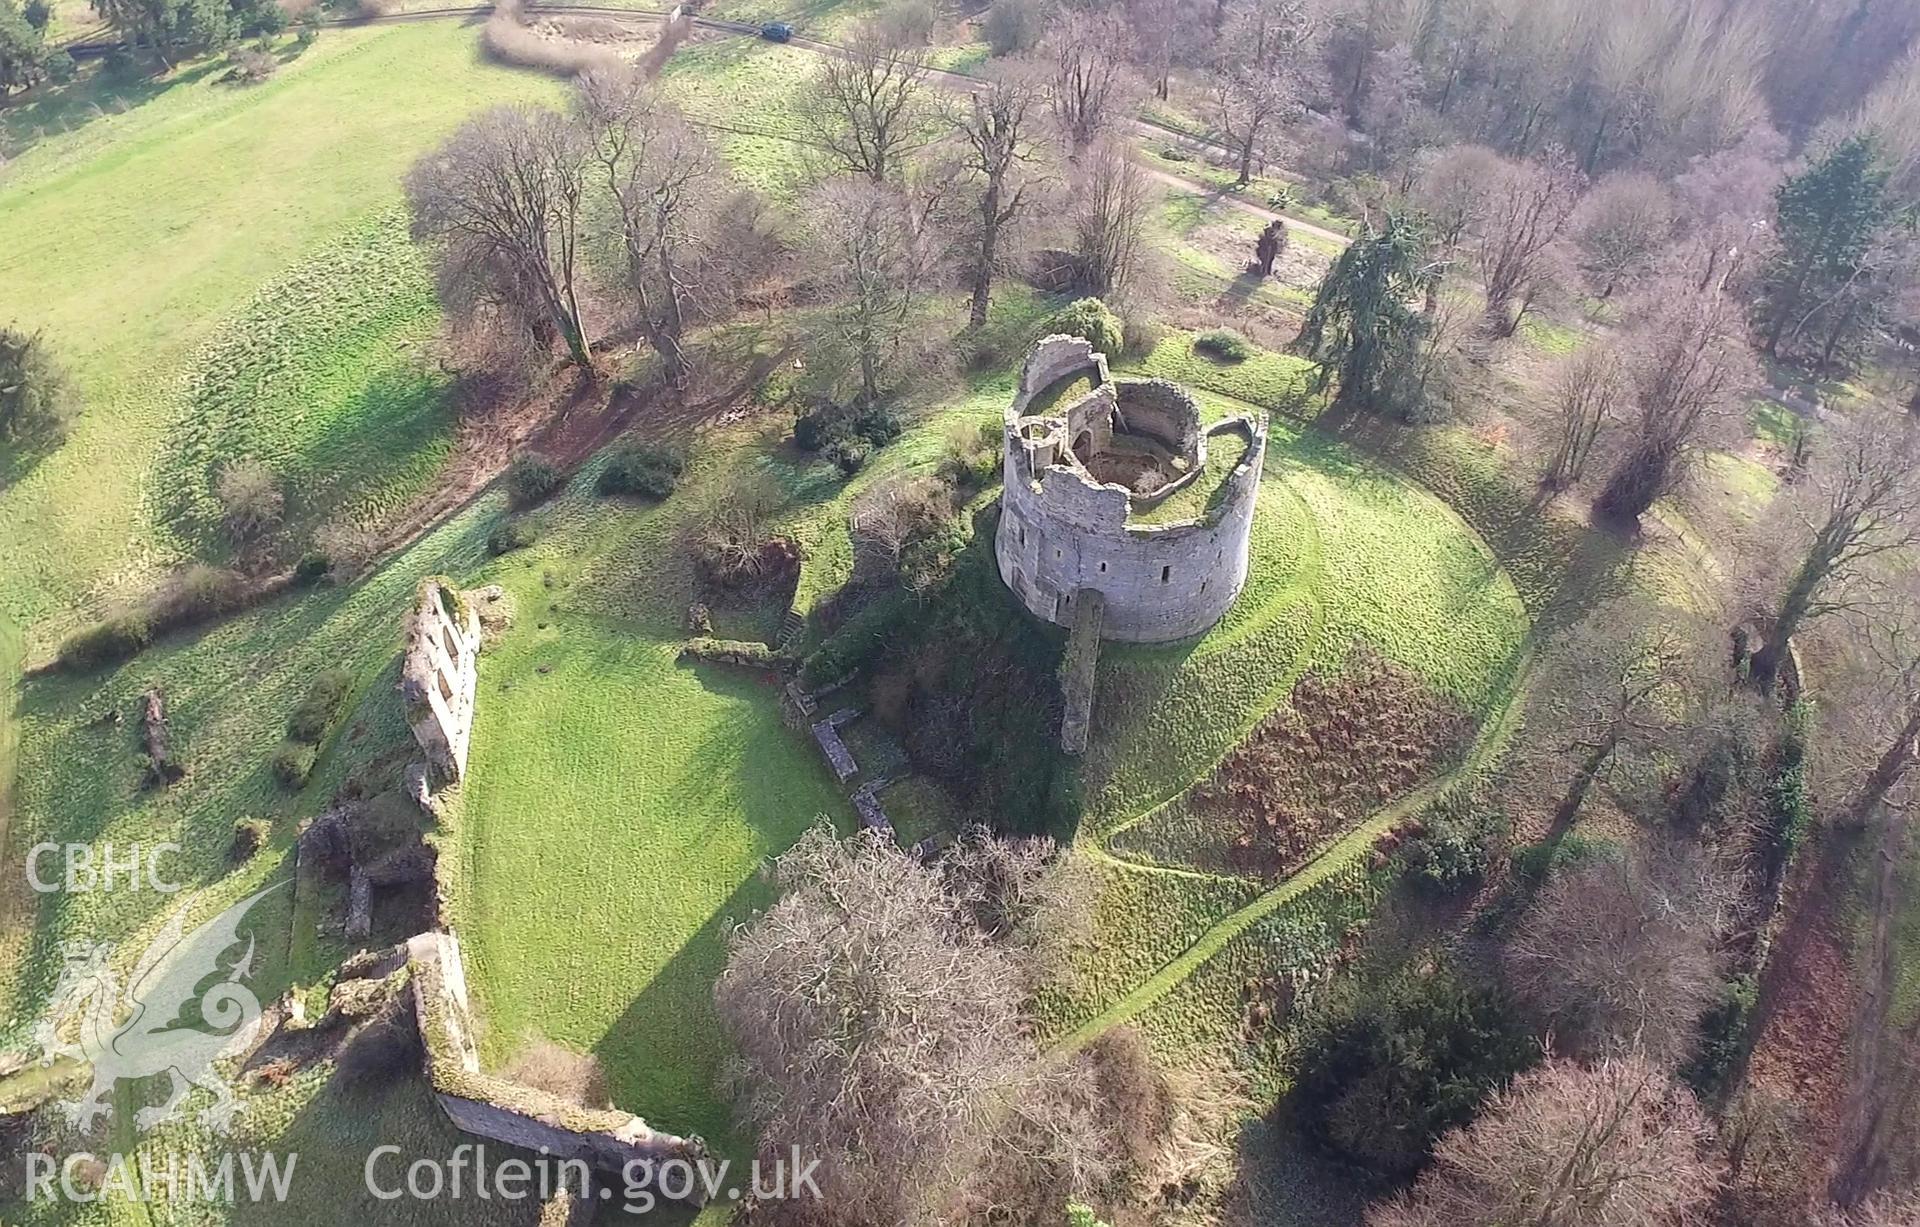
(1087, 458)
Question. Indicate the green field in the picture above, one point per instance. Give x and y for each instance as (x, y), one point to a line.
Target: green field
(146, 242)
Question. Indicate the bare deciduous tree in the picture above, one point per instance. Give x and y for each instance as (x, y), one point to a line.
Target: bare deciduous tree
(1455, 190)
(1090, 85)
(879, 267)
(1612, 1145)
(1110, 196)
(1163, 30)
(866, 107)
(1866, 498)
(684, 255)
(996, 123)
(1526, 213)
(1621, 227)
(505, 198)
(1691, 364)
(1622, 953)
(1587, 391)
(879, 1013)
(1726, 202)
(1612, 685)
(1259, 76)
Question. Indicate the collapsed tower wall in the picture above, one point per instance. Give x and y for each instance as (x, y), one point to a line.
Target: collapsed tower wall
(1063, 530)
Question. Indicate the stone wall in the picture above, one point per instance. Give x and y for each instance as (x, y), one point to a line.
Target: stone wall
(503, 1111)
(1061, 532)
(1052, 359)
(439, 675)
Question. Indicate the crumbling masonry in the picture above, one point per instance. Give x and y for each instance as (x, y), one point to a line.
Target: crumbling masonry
(439, 674)
(1077, 474)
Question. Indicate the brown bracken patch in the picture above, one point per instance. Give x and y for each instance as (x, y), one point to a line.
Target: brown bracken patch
(1343, 746)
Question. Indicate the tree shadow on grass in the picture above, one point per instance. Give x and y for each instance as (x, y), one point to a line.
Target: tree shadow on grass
(19, 457)
(54, 110)
(665, 1055)
(1283, 1183)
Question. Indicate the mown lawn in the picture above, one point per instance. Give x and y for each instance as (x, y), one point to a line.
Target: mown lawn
(620, 803)
(619, 809)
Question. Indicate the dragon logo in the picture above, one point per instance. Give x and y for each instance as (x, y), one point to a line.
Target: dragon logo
(161, 1020)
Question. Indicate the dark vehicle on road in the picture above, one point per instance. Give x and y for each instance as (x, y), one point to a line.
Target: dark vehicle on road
(776, 31)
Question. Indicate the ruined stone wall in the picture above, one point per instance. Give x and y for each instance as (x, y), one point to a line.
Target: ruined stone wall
(1161, 408)
(1061, 532)
(503, 1111)
(439, 675)
(1052, 359)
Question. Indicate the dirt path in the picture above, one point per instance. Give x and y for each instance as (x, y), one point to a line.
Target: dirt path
(1244, 205)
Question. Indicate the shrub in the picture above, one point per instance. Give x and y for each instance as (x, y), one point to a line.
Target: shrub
(732, 542)
(1015, 25)
(1385, 1071)
(530, 478)
(1092, 321)
(1726, 1029)
(195, 593)
(111, 641)
(849, 454)
(510, 535)
(1454, 852)
(820, 426)
(252, 66)
(878, 425)
(292, 764)
(326, 698)
(826, 426)
(249, 836)
(650, 472)
(972, 455)
(38, 13)
(348, 546)
(311, 569)
(250, 500)
(1224, 344)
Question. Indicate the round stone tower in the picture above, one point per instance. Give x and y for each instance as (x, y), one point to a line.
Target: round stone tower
(1091, 464)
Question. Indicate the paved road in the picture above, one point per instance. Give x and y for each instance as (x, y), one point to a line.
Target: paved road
(949, 78)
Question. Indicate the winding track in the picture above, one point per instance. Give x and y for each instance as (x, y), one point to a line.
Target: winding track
(744, 29)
